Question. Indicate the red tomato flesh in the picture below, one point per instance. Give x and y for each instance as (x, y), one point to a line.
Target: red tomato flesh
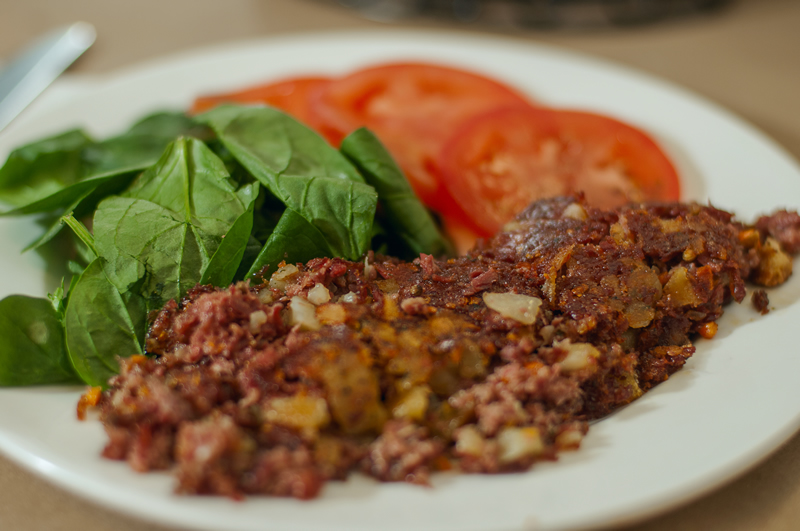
(475, 150)
(413, 108)
(501, 161)
(289, 95)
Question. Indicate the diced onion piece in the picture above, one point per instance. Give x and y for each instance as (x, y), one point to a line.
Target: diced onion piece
(388, 286)
(639, 314)
(575, 211)
(669, 226)
(619, 232)
(319, 294)
(679, 288)
(265, 296)
(368, 268)
(518, 443)
(775, 265)
(469, 441)
(281, 278)
(414, 305)
(349, 297)
(579, 355)
(550, 277)
(303, 313)
(413, 404)
(512, 226)
(257, 318)
(301, 412)
(521, 308)
(547, 332)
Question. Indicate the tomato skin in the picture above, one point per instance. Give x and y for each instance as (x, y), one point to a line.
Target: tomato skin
(501, 161)
(289, 95)
(413, 108)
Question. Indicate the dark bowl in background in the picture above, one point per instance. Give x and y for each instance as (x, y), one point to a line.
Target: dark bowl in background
(537, 14)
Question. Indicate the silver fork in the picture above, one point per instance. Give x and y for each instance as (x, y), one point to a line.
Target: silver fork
(38, 65)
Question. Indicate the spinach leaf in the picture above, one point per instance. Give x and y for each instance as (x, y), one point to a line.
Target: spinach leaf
(32, 348)
(83, 206)
(293, 240)
(222, 268)
(251, 252)
(405, 214)
(54, 173)
(76, 268)
(42, 168)
(100, 324)
(166, 227)
(68, 194)
(269, 210)
(307, 175)
(167, 124)
(144, 241)
(142, 145)
(53, 225)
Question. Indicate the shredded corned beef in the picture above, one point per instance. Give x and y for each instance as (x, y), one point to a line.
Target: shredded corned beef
(485, 363)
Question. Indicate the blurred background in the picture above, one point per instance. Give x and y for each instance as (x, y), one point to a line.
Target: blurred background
(535, 14)
(741, 54)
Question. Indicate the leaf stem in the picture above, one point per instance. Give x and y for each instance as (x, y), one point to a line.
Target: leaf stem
(81, 232)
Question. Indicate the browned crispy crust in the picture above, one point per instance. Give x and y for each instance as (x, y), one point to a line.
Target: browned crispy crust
(406, 370)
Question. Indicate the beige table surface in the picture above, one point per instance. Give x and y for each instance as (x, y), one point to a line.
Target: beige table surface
(746, 58)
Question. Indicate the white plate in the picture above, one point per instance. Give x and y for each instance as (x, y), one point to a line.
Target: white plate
(735, 401)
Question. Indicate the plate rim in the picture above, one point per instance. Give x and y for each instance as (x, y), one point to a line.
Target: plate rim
(759, 454)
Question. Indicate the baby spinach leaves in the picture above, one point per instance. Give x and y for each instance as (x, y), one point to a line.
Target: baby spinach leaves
(54, 172)
(102, 323)
(142, 145)
(43, 168)
(32, 348)
(166, 227)
(250, 187)
(293, 240)
(305, 173)
(67, 195)
(221, 269)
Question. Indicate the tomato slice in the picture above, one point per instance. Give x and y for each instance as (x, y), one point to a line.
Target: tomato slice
(628, 164)
(501, 161)
(289, 95)
(413, 108)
